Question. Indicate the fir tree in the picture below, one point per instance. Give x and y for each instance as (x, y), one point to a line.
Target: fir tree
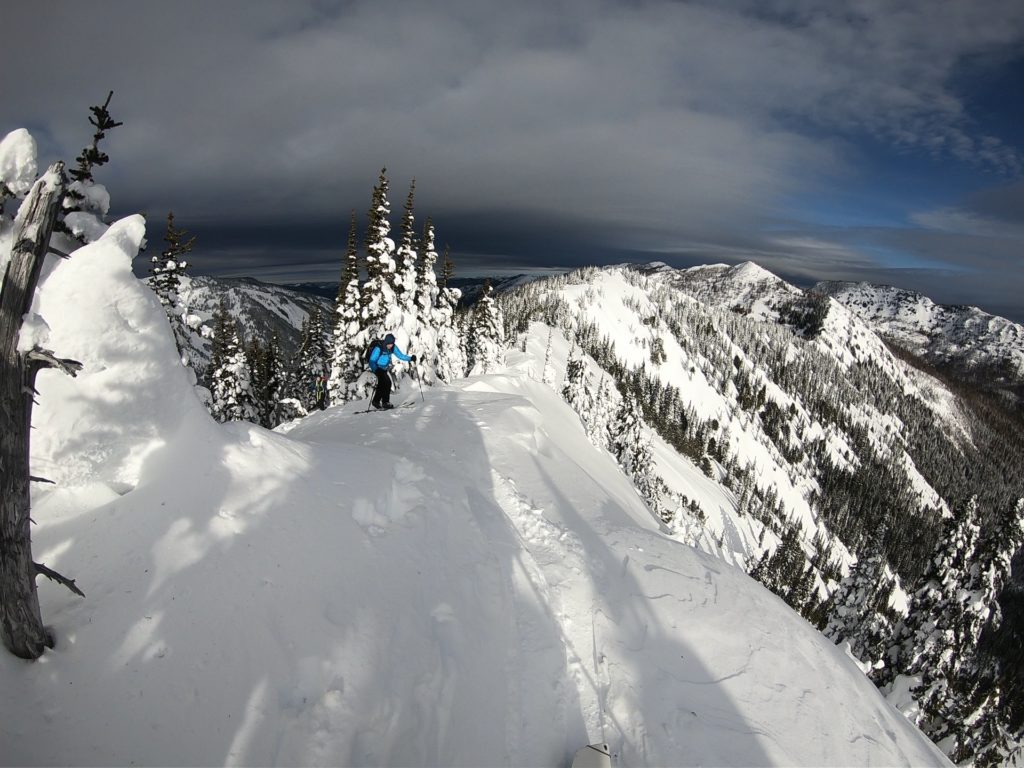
(233, 396)
(785, 571)
(166, 271)
(432, 317)
(602, 414)
(859, 610)
(451, 353)
(266, 380)
(312, 358)
(86, 202)
(350, 336)
(576, 389)
(223, 326)
(381, 310)
(408, 269)
(929, 649)
(632, 451)
(486, 348)
(548, 377)
(973, 717)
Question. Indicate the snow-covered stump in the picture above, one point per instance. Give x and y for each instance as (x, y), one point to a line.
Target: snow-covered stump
(21, 624)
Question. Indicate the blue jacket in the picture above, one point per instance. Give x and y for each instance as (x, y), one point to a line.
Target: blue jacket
(380, 358)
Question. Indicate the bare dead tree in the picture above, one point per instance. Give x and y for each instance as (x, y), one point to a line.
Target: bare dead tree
(21, 625)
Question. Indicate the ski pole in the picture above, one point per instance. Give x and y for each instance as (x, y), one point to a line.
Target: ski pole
(419, 383)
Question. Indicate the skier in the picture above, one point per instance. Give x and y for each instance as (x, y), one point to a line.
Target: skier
(380, 362)
(320, 391)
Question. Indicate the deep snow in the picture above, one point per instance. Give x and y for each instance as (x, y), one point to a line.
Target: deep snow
(467, 582)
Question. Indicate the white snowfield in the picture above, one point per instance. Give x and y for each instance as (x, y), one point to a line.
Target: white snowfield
(466, 582)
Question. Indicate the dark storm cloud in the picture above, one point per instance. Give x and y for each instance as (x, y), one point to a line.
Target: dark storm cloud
(538, 133)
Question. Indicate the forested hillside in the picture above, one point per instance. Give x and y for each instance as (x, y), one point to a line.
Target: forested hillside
(842, 456)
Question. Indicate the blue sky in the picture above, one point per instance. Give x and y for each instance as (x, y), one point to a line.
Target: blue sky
(862, 140)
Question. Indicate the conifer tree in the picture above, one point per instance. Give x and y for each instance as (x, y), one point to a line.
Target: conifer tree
(632, 450)
(407, 259)
(431, 316)
(86, 202)
(166, 271)
(548, 376)
(576, 391)
(859, 610)
(602, 414)
(624, 431)
(350, 337)
(223, 325)
(451, 354)
(972, 713)
(233, 396)
(486, 347)
(381, 310)
(312, 358)
(266, 380)
(784, 571)
(928, 649)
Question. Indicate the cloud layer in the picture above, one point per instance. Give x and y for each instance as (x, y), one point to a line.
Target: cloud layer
(596, 127)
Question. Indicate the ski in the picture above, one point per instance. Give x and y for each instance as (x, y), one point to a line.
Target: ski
(385, 410)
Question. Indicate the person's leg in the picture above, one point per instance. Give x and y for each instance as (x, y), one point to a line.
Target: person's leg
(386, 384)
(380, 394)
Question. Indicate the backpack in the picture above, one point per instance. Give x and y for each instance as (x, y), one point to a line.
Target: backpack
(375, 344)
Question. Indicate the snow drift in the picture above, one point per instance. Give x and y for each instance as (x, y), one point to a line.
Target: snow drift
(468, 582)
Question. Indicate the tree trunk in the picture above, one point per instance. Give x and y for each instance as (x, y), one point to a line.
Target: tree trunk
(21, 624)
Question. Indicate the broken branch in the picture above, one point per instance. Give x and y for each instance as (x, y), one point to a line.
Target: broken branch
(52, 575)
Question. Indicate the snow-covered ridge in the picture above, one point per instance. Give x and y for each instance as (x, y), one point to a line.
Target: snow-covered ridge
(748, 285)
(468, 582)
(259, 308)
(966, 337)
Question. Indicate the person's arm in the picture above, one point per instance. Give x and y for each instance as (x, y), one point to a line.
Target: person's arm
(374, 356)
(400, 354)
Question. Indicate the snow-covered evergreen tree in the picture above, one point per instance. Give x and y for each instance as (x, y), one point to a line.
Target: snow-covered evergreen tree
(267, 380)
(451, 352)
(166, 271)
(632, 450)
(431, 317)
(602, 413)
(87, 202)
(233, 396)
(548, 376)
(859, 610)
(350, 337)
(576, 390)
(407, 258)
(381, 310)
(929, 650)
(486, 346)
(973, 716)
(313, 358)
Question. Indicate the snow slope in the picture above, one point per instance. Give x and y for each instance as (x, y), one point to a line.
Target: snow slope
(467, 582)
(962, 335)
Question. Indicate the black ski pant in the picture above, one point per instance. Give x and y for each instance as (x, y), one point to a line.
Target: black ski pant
(382, 393)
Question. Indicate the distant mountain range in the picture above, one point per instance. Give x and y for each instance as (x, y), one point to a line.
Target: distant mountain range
(982, 348)
(471, 287)
(985, 350)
